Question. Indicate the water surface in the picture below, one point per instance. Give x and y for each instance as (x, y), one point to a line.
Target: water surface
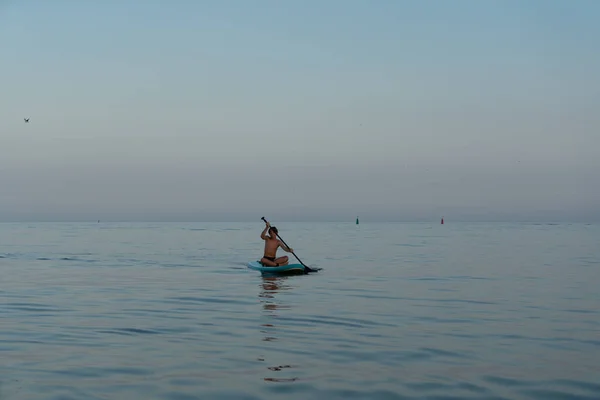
(400, 311)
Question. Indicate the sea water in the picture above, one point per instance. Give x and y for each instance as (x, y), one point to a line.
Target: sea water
(399, 311)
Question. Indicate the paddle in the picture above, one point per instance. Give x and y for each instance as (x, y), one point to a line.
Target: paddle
(306, 268)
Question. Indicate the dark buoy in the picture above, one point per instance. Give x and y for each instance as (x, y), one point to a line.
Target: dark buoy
(442, 220)
(356, 220)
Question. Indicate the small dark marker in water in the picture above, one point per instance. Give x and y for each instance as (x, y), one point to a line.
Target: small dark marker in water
(442, 220)
(356, 220)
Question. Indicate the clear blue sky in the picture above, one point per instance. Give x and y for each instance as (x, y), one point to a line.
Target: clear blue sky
(390, 109)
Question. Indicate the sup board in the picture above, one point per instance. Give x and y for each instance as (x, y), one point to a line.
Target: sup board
(286, 269)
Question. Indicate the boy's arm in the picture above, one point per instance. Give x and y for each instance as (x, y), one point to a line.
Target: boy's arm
(263, 235)
(285, 248)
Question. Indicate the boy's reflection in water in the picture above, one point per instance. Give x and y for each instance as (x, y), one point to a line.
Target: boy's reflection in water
(271, 286)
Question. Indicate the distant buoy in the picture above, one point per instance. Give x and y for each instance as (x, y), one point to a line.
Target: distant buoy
(356, 220)
(442, 220)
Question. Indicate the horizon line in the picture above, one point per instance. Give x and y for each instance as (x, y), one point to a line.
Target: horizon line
(336, 221)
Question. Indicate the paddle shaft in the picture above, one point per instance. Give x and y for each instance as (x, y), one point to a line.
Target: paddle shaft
(286, 245)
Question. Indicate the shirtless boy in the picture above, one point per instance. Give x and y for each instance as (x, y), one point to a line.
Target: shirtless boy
(271, 245)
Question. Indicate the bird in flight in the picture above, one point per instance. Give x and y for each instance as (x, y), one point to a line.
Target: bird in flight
(26, 120)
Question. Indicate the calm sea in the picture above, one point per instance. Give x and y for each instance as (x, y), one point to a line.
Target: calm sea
(400, 311)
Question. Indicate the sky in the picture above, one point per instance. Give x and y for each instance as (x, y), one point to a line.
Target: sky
(305, 110)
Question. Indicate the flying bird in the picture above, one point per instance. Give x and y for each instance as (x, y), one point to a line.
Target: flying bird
(26, 120)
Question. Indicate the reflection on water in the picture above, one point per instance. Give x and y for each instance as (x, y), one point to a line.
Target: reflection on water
(271, 305)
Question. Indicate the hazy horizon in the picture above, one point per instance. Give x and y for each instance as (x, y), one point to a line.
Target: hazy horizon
(390, 111)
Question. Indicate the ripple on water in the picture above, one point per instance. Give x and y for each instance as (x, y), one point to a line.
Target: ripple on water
(130, 331)
(192, 300)
(34, 307)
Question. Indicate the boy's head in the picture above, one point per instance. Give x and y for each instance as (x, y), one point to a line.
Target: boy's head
(273, 231)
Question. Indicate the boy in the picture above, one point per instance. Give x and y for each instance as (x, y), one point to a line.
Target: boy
(271, 245)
